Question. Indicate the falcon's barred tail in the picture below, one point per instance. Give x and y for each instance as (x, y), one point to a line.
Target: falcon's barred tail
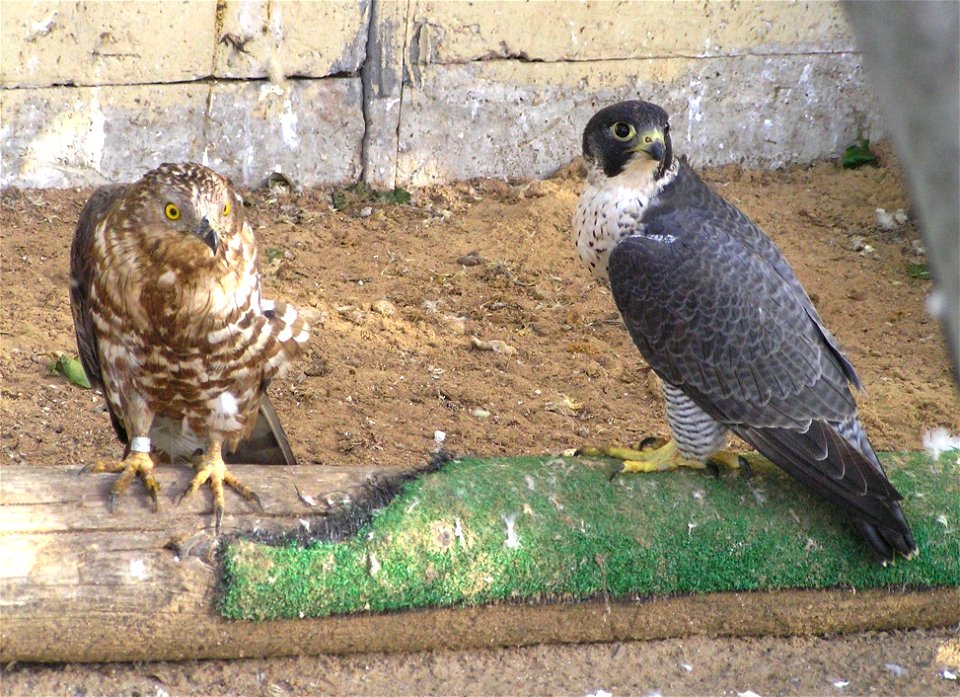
(830, 465)
(267, 444)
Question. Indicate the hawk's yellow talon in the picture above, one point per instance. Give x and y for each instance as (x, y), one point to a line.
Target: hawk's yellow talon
(134, 465)
(213, 470)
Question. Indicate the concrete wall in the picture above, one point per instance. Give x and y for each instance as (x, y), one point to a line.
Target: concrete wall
(402, 92)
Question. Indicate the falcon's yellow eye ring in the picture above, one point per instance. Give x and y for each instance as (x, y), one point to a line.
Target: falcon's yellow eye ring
(172, 211)
(226, 208)
(623, 131)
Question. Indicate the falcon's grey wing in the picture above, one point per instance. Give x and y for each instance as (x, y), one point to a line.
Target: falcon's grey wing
(690, 191)
(81, 270)
(717, 319)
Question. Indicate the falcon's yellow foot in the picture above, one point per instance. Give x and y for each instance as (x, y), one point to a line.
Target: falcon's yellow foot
(211, 468)
(666, 457)
(730, 460)
(134, 465)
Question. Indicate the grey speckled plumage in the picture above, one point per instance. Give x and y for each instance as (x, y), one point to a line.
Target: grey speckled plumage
(718, 313)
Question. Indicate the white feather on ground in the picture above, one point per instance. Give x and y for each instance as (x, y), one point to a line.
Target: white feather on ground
(938, 441)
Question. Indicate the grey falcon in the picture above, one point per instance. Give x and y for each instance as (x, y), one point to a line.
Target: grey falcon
(715, 309)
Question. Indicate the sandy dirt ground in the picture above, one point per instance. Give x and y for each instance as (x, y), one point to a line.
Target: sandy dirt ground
(865, 664)
(403, 299)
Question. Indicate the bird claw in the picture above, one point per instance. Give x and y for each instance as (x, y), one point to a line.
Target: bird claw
(212, 471)
(746, 471)
(651, 443)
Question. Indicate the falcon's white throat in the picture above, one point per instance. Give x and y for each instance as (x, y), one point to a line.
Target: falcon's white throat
(610, 209)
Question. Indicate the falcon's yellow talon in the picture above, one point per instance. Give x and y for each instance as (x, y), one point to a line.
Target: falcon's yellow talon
(728, 459)
(652, 443)
(661, 459)
(646, 466)
(666, 457)
(616, 452)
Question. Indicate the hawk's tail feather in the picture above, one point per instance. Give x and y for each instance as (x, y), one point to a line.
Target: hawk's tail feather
(290, 333)
(831, 466)
(267, 444)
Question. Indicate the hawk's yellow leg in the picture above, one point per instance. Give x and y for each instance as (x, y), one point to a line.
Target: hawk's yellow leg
(211, 468)
(134, 465)
(663, 458)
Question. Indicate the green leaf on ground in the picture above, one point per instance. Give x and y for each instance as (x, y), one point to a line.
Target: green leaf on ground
(858, 154)
(71, 369)
(272, 254)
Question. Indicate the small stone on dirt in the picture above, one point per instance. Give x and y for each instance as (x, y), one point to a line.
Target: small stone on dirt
(494, 345)
(384, 307)
(471, 259)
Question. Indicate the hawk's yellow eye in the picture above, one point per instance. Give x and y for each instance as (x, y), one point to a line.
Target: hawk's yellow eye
(226, 208)
(172, 211)
(623, 131)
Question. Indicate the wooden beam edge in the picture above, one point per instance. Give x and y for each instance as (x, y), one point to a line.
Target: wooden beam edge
(202, 634)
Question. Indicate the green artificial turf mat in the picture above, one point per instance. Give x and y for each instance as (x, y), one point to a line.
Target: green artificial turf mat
(533, 528)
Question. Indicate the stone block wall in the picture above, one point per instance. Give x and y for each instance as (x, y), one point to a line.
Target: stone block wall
(409, 92)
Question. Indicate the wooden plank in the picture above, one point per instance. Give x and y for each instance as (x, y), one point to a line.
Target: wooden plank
(69, 565)
(80, 584)
(50, 499)
(194, 631)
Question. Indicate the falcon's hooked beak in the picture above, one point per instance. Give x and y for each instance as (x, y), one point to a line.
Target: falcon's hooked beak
(207, 234)
(658, 148)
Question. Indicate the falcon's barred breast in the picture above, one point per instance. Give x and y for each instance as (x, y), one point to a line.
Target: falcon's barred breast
(719, 315)
(169, 319)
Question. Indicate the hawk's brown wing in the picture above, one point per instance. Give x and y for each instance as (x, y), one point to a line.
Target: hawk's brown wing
(82, 264)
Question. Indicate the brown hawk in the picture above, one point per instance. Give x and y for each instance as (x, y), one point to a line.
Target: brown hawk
(169, 318)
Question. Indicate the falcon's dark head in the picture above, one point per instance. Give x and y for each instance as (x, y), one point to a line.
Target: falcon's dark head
(628, 132)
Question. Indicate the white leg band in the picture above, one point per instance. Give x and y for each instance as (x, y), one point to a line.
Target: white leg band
(140, 445)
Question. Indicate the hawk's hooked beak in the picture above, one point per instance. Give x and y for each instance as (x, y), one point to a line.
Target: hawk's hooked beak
(207, 234)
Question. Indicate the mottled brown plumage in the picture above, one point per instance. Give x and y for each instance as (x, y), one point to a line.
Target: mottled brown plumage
(169, 319)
